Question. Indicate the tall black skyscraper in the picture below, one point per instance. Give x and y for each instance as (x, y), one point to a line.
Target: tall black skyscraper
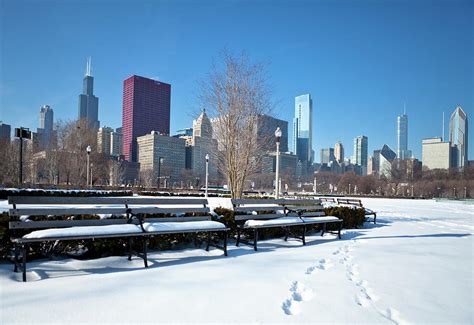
(88, 103)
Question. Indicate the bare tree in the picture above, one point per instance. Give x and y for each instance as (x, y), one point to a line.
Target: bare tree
(235, 93)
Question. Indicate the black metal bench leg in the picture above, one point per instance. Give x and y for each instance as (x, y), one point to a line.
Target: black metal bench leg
(324, 229)
(225, 243)
(145, 251)
(24, 262)
(375, 218)
(255, 239)
(130, 248)
(238, 237)
(339, 232)
(15, 269)
(286, 233)
(304, 235)
(208, 241)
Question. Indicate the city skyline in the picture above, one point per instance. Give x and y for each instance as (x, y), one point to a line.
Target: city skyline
(386, 83)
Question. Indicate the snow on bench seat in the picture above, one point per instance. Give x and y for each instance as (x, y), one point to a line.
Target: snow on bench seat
(181, 226)
(84, 231)
(320, 219)
(271, 222)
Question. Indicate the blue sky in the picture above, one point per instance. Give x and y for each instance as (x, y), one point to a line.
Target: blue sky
(359, 60)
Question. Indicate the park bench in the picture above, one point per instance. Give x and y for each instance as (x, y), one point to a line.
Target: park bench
(283, 213)
(129, 221)
(357, 203)
(327, 199)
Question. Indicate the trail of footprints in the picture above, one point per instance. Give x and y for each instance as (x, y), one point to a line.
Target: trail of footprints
(365, 296)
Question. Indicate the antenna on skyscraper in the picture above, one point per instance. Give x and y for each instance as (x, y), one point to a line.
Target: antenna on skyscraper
(404, 108)
(442, 136)
(89, 67)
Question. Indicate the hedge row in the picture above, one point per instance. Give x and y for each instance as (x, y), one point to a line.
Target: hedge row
(5, 193)
(86, 249)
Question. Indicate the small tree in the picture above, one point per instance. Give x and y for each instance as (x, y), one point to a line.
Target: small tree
(235, 93)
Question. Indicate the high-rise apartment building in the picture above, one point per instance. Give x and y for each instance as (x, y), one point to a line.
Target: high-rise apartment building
(361, 152)
(458, 136)
(402, 137)
(45, 131)
(339, 152)
(266, 127)
(303, 128)
(104, 135)
(203, 144)
(146, 108)
(88, 103)
(116, 142)
(5, 132)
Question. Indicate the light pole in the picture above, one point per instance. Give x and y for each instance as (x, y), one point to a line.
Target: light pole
(92, 166)
(207, 172)
(412, 191)
(349, 189)
(277, 173)
(88, 150)
(454, 192)
(465, 192)
(160, 161)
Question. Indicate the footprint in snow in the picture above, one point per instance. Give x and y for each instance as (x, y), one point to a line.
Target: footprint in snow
(291, 307)
(322, 265)
(299, 293)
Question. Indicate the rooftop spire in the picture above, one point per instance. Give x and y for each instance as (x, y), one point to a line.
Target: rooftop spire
(88, 67)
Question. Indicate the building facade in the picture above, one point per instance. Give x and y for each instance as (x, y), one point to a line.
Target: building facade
(116, 142)
(146, 108)
(361, 153)
(5, 132)
(203, 144)
(436, 154)
(386, 158)
(303, 128)
(458, 136)
(266, 127)
(152, 147)
(88, 102)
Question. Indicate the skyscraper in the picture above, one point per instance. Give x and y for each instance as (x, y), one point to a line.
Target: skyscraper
(303, 128)
(104, 135)
(266, 127)
(339, 152)
(458, 136)
(5, 132)
(327, 155)
(88, 103)
(45, 130)
(360, 152)
(146, 108)
(116, 142)
(402, 137)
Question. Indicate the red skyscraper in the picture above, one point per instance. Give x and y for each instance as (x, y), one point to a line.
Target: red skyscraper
(146, 108)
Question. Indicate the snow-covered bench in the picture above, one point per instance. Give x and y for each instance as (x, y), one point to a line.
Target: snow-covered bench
(357, 203)
(37, 213)
(282, 213)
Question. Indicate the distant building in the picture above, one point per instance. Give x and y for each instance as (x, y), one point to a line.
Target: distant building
(436, 154)
(458, 136)
(5, 132)
(104, 140)
(146, 108)
(152, 147)
(116, 143)
(303, 128)
(402, 137)
(45, 133)
(288, 163)
(361, 153)
(327, 155)
(339, 152)
(88, 103)
(386, 158)
(203, 144)
(188, 132)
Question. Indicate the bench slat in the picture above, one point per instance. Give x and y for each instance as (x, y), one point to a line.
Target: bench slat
(93, 211)
(271, 201)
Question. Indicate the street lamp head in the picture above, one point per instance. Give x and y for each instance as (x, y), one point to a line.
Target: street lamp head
(278, 134)
(161, 160)
(207, 157)
(88, 149)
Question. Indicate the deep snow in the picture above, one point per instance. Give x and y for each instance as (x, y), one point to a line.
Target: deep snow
(414, 266)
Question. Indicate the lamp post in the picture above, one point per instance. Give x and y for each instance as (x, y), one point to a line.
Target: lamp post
(465, 192)
(92, 166)
(207, 172)
(88, 150)
(349, 189)
(160, 161)
(278, 134)
(454, 192)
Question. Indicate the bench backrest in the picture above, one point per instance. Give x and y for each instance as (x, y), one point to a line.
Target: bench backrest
(350, 201)
(328, 199)
(271, 209)
(119, 207)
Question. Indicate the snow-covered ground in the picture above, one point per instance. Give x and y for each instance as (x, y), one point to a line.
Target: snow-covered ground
(414, 266)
